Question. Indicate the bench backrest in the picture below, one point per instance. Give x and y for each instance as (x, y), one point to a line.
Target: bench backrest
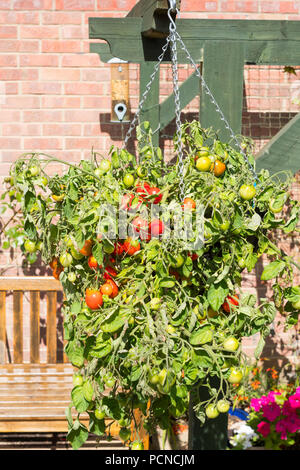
(34, 286)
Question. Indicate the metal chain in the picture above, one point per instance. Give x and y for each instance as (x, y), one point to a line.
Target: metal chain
(214, 102)
(174, 60)
(145, 94)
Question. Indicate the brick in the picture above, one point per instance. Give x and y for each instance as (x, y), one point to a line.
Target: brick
(100, 74)
(82, 143)
(14, 129)
(102, 103)
(7, 32)
(39, 60)
(61, 17)
(80, 60)
(18, 74)
(30, 4)
(74, 32)
(60, 46)
(288, 7)
(270, 7)
(10, 142)
(42, 143)
(21, 102)
(39, 32)
(81, 5)
(10, 115)
(11, 88)
(41, 88)
(59, 74)
(62, 129)
(61, 101)
(8, 60)
(83, 88)
(42, 115)
(82, 115)
(241, 6)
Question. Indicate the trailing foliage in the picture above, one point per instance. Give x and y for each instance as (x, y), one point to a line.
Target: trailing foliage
(149, 317)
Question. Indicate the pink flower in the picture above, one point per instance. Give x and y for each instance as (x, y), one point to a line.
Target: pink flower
(293, 423)
(271, 396)
(294, 401)
(256, 404)
(281, 429)
(264, 428)
(271, 411)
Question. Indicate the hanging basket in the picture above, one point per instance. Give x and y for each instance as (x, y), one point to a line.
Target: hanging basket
(151, 258)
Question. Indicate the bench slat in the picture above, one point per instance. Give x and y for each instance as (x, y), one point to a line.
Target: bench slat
(18, 326)
(51, 327)
(2, 327)
(34, 327)
(29, 283)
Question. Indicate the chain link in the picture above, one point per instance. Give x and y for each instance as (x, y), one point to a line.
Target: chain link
(174, 59)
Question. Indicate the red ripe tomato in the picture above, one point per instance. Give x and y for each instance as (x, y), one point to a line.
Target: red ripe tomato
(156, 228)
(230, 303)
(93, 298)
(118, 249)
(115, 289)
(126, 201)
(194, 256)
(155, 191)
(109, 272)
(106, 289)
(92, 262)
(131, 246)
(139, 224)
(143, 189)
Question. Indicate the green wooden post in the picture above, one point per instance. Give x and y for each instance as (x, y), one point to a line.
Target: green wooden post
(282, 151)
(150, 111)
(223, 72)
(223, 66)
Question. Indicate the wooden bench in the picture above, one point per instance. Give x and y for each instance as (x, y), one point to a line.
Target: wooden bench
(33, 393)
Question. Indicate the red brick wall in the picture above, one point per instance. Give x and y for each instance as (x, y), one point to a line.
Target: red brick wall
(55, 95)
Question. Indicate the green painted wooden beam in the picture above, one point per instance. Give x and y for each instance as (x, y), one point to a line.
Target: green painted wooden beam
(265, 42)
(282, 152)
(223, 72)
(150, 111)
(187, 91)
(155, 16)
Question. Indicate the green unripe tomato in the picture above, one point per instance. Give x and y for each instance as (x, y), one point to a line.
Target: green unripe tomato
(141, 172)
(137, 445)
(30, 246)
(77, 380)
(105, 165)
(100, 414)
(124, 434)
(247, 192)
(72, 277)
(211, 411)
(223, 406)
(128, 180)
(155, 303)
(235, 376)
(231, 344)
(179, 260)
(65, 259)
(34, 170)
(296, 305)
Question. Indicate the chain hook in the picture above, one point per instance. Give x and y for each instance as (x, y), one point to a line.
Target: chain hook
(172, 5)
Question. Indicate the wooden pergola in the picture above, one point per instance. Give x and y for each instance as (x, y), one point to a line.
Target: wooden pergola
(223, 47)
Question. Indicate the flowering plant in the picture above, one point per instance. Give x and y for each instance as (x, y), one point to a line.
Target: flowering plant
(275, 417)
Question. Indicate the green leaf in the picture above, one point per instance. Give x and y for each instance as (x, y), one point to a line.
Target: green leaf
(78, 399)
(88, 390)
(259, 348)
(113, 323)
(74, 351)
(167, 282)
(97, 426)
(216, 294)
(201, 336)
(97, 252)
(77, 437)
(272, 270)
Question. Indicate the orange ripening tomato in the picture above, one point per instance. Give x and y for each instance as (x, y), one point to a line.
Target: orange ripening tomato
(218, 168)
(230, 303)
(131, 246)
(92, 262)
(93, 298)
(115, 289)
(86, 250)
(106, 289)
(189, 203)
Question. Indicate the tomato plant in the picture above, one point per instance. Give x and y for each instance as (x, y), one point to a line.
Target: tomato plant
(150, 318)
